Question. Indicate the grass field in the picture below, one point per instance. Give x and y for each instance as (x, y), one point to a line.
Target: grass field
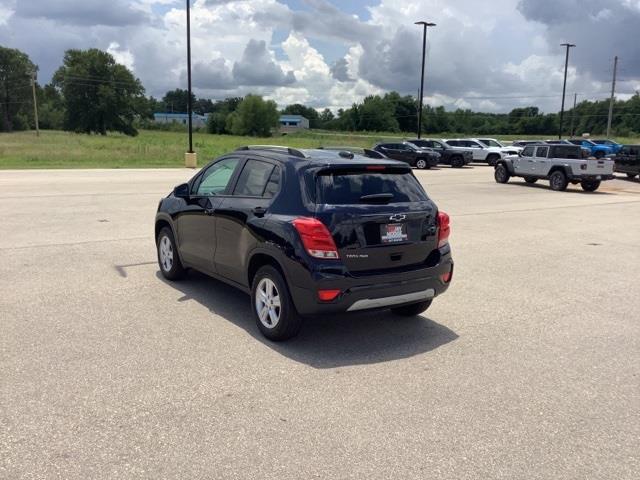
(53, 149)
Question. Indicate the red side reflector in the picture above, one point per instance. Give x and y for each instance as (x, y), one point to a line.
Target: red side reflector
(446, 277)
(376, 167)
(328, 295)
(444, 229)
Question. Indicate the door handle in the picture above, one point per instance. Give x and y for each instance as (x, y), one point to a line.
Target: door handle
(259, 211)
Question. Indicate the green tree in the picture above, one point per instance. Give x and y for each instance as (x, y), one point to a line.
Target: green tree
(377, 115)
(177, 101)
(100, 95)
(255, 117)
(50, 108)
(16, 72)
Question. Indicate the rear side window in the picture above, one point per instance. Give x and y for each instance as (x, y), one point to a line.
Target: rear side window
(542, 152)
(273, 185)
(253, 179)
(349, 188)
(566, 151)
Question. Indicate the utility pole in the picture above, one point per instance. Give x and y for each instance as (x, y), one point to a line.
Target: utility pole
(564, 85)
(613, 91)
(35, 102)
(573, 113)
(190, 158)
(424, 52)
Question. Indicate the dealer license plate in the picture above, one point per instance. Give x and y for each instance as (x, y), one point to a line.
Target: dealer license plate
(393, 232)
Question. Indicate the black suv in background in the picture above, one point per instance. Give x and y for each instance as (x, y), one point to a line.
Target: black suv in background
(448, 155)
(627, 160)
(308, 232)
(406, 152)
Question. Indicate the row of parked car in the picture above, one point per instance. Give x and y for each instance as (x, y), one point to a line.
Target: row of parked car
(425, 153)
(428, 152)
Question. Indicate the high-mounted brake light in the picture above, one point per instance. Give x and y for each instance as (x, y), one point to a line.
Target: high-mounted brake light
(317, 240)
(444, 229)
(376, 167)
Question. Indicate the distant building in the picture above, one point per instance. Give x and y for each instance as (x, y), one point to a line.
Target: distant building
(183, 118)
(291, 123)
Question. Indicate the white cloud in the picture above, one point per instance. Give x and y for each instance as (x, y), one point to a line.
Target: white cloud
(123, 57)
(509, 51)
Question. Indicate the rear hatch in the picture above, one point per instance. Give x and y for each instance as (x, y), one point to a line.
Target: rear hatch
(380, 217)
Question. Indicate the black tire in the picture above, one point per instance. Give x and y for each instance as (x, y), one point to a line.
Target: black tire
(590, 185)
(457, 162)
(558, 181)
(530, 179)
(501, 174)
(168, 258)
(631, 176)
(492, 159)
(411, 310)
(288, 321)
(599, 154)
(422, 163)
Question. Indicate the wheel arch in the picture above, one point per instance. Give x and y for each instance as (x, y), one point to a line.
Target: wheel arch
(260, 259)
(563, 168)
(162, 222)
(507, 164)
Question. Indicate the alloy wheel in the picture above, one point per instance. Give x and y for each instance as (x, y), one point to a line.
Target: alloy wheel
(268, 305)
(166, 253)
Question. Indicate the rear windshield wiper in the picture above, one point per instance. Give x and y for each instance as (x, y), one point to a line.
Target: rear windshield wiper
(377, 198)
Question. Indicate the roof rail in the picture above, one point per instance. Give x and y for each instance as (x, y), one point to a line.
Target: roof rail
(276, 148)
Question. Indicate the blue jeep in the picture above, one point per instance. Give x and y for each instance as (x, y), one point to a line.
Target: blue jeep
(615, 146)
(598, 151)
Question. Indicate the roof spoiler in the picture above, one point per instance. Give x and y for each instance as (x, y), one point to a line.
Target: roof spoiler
(275, 148)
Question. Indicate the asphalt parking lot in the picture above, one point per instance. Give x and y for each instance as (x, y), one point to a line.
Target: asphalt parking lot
(528, 367)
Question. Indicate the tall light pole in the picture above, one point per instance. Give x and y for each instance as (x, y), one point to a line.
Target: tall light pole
(613, 93)
(190, 158)
(35, 102)
(564, 85)
(424, 53)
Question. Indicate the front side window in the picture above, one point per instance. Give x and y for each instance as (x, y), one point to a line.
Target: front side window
(215, 179)
(253, 179)
(528, 151)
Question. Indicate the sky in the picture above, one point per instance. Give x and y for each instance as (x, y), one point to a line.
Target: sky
(491, 55)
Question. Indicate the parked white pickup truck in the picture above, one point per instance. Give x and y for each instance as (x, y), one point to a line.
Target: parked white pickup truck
(507, 149)
(560, 164)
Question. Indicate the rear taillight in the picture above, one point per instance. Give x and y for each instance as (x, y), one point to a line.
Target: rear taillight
(443, 229)
(317, 240)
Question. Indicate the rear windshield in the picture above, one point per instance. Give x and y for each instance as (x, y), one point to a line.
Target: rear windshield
(349, 188)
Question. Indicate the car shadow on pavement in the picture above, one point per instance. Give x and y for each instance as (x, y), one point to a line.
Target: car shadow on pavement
(570, 188)
(324, 342)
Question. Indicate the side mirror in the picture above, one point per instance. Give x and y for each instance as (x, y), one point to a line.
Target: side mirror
(181, 191)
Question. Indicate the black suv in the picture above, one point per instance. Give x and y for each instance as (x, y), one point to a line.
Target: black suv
(627, 160)
(308, 232)
(448, 155)
(415, 156)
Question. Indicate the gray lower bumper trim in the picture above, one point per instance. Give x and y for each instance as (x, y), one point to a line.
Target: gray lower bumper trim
(367, 303)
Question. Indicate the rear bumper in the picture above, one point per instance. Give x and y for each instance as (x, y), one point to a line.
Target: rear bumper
(592, 178)
(371, 291)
